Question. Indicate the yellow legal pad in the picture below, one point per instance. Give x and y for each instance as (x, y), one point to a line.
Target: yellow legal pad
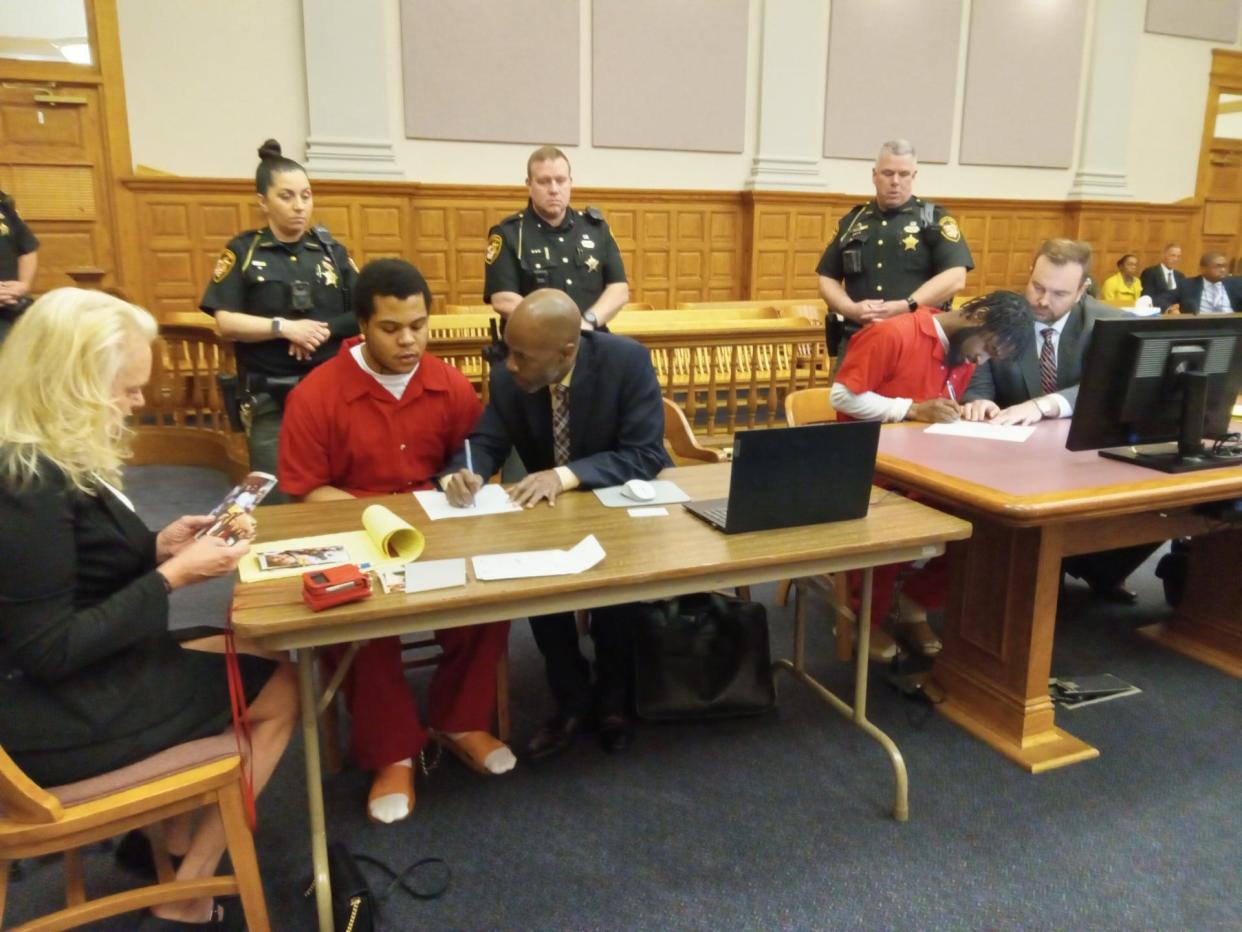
(385, 539)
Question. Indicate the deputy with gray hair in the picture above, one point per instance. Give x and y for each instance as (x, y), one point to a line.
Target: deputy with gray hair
(891, 254)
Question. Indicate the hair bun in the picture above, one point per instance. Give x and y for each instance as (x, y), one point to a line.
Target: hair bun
(270, 150)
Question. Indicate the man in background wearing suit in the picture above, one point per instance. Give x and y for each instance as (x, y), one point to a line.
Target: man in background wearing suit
(1042, 381)
(583, 410)
(1212, 291)
(1162, 280)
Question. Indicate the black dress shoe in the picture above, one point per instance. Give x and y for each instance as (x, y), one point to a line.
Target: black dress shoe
(555, 736)
(616, 733)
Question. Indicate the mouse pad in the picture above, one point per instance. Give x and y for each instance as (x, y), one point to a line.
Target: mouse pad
(666, 493)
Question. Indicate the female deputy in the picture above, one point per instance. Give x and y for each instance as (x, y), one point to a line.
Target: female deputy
(90, 678)
(1123, 288)
(282, 292)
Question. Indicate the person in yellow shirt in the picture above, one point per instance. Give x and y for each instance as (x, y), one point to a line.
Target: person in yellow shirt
(1123, 288)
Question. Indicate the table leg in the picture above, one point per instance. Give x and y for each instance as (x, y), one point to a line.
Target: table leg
(858, 712)
(997, 651)
(314, 787)
(1207, 625)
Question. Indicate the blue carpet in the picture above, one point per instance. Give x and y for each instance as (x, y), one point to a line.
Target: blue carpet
(782, 822)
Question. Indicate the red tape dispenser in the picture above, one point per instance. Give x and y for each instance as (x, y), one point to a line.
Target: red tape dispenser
(335, 586)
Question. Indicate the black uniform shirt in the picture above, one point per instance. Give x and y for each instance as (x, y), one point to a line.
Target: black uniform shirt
(899, 250)
(579, 257)
(255, 274)
(16, 240)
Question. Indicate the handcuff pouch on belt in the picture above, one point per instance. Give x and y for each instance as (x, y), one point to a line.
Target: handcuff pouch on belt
(242, 395)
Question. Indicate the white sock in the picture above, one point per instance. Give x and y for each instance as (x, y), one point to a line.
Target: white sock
(499, 761)
(392, 807)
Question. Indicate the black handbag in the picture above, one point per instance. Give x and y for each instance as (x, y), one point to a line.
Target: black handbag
(354, 907)
(702, 656)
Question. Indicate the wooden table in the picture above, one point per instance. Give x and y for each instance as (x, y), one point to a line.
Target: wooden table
(646, 559)
(1032, 504)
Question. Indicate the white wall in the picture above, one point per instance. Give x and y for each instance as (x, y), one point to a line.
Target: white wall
(207, 82)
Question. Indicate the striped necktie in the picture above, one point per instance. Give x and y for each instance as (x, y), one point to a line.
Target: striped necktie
(560, 424)
(1048, 362)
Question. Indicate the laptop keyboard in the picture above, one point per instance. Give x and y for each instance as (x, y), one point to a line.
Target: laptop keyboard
(717, 513)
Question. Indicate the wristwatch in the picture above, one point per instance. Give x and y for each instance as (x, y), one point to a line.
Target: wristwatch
(590, 318)
(276, 324)
(911, 303)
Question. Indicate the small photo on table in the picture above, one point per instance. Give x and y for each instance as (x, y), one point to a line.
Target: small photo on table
(302, 556)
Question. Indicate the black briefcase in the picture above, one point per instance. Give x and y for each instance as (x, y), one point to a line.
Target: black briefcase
(702, 656)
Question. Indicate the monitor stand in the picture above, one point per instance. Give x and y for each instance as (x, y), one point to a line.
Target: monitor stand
(1166, 457)
(1187, 454)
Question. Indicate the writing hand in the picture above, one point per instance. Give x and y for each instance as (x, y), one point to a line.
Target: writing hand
(461, 487)
(980, 410)
(535, 488)
(935, 411)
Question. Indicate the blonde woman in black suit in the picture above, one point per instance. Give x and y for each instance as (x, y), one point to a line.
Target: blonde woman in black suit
(90, 677)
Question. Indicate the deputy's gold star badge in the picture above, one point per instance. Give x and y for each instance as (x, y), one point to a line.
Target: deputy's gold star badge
(326, 273)
(911, 242)
(592, 263)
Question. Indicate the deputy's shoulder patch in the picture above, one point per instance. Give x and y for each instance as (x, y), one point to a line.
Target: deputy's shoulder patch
(949, 229)
(494, 244)
(224, 265)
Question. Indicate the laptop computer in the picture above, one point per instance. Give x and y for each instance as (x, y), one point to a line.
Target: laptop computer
(788, 477)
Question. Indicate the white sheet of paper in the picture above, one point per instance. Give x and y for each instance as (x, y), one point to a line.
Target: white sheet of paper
(490, 500)
(980, 430)
(648, 512)
(531, 563)
(435, 574)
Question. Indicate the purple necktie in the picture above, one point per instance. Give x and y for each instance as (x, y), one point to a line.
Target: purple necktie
(560, 424)
(1048, 362)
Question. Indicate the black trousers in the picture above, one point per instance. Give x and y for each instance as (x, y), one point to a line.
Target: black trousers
(569, 674)
(1108, 568)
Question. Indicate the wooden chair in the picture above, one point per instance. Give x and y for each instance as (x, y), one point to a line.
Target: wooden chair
(814, 406)
(417, 650)
(680, 441)
(35, 821)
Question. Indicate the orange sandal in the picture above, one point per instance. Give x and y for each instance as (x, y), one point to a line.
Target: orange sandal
(393, 780)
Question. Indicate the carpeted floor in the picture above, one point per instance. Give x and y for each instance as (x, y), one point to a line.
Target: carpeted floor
(782, 822)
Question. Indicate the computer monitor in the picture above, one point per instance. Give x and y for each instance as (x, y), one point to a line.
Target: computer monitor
(1149, 381)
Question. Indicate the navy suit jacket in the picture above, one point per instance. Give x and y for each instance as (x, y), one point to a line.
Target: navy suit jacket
(1190, 292)
(1012, 381)
(1156, 287)
(616, 418)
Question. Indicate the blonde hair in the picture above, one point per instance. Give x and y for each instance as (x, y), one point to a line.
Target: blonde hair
(58, 369)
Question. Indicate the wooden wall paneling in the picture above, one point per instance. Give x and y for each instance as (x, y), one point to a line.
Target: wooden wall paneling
(1003, 236)
(789, 234)
(1114, 229)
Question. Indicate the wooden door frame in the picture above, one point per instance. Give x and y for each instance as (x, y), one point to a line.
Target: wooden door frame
(105, 73)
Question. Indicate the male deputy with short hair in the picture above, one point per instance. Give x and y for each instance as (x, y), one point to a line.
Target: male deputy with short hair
(551, 245)
(584, 411)
(892, 254)
(1042, 381)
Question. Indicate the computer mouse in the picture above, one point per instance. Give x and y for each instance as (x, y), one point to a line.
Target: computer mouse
(639, 490)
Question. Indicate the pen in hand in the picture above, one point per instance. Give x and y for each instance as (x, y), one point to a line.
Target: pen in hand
(469, 465)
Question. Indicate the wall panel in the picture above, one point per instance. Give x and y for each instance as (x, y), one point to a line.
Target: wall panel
(677, 245)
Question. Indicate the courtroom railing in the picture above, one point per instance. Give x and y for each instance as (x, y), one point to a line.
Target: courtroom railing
(726, 376)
